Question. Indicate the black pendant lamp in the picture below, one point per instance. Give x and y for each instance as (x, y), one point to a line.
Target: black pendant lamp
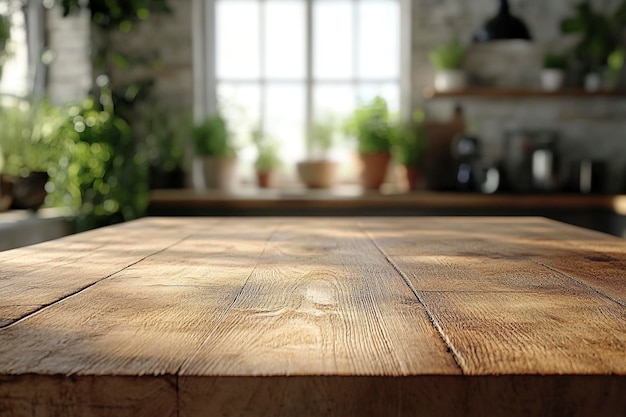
(502, 26)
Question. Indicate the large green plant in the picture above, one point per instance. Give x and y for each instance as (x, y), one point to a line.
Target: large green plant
(600, 33)
(102, 176)
(108, 173)
(371, 125)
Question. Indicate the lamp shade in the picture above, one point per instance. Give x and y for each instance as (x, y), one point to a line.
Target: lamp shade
(502, 26)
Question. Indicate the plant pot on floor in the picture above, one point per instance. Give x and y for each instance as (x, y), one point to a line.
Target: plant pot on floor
(30, 192)
(374, 169)
(317, 174)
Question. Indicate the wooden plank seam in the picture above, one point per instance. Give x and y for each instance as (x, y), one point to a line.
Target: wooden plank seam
(456, 355)
(82, 289)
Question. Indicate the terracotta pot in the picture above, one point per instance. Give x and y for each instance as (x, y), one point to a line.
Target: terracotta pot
(30, 192)
(374, 169)
(414, 177)
(317, 174)
(6, 192)
(264, 179)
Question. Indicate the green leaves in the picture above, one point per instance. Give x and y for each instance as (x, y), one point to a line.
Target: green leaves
(212, 138)
(117, 14)
(370, 123)
(447, 56)
(599, 33)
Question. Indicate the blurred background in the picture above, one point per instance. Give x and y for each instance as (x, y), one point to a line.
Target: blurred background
(104, 103)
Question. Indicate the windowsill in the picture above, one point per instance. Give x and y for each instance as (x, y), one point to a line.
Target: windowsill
(23, 227)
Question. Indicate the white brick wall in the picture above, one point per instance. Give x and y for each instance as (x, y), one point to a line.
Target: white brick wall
(70, 74)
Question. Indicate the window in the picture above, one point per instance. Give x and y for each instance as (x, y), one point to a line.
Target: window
(279, 65)
(22, 73)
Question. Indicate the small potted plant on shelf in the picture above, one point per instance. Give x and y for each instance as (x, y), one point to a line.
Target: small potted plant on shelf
(215, 163)
(447, 60)
(318, 171)
(267, 160)
(371, 125)
(409, 147)
(553, 72)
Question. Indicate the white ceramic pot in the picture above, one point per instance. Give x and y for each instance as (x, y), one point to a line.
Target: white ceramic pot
(450, 80)
(592, 82)
(215, 173)
(552, 79)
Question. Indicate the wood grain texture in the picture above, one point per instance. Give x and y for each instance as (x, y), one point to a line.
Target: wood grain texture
(323, 301)
(36, 276)
(500, 308)
(316, 316)
(87, 396)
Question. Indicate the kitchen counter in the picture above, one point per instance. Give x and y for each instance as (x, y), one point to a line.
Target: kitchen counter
(287, 316)
(605, 213)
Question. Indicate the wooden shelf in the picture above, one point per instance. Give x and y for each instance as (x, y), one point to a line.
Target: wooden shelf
(504, 93)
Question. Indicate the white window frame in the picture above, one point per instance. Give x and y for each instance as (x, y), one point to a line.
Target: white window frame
(206, 81)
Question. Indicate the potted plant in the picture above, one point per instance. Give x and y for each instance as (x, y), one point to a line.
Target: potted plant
(409, 147)
(267, 159)
(370, 124)
(318, 171)
(216, 157)
(553, 72)
(31, 148)
(447, 59)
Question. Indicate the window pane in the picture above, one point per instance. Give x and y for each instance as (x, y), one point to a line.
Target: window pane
(14, 75)
(285, 119)
(285, 33)
(240, 105)
(389, 91)
(379, 39)
(237, 33)
(332, 39)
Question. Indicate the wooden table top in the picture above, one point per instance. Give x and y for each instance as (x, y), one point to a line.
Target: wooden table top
(189, 317)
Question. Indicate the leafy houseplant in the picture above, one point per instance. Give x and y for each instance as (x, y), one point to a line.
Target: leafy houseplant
(371, 125)
(216, 156)
(599, 35)
(447, 60)
(317, 171)
(409, 147)
(267, 159)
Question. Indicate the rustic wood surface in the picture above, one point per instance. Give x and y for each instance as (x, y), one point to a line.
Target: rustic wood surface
(189, 317)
